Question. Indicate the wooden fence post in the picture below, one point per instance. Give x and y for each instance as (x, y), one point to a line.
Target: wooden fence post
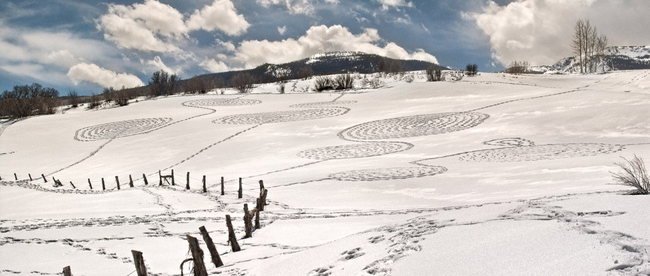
(262, 198)
(90, 184)
(222, 186)
(44, 179)
(103, 185)
(15, 176)
(240, 191)
(144, 176)
(257, 214)
(67, 271)
(216, 260)
(173, 181)
(72, 185)
(160, 177)
(205, 189)
(30, 177)
(140, 268)
(231, 235)
(187, 186)
(117, 180)
(248, 225)
(197, 256)
(261, 185)
(130, 181)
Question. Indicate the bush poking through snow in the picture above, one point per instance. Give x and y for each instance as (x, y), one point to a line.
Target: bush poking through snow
(634, 174)
(344, 82)
(323, 83)
(433, 74)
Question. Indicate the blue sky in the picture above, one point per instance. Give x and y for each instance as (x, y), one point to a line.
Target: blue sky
(88, 45)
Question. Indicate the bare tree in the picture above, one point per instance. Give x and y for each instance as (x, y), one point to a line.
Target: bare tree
(588, 46)
(74, 98)
(27, 100)
(243, 82)
(518, 67)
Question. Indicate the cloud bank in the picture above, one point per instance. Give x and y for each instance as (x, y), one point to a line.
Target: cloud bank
(319, 39)
(540, 31)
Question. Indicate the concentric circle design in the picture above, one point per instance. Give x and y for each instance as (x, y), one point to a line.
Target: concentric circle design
(222, 102)
(320, 104)
(355, 151)
(414, 126)
(282, 116)
(513, 142)
(388, 173)
(541, 152)
(120, 129)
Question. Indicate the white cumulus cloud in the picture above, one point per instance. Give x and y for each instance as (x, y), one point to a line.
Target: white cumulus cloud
(319, 39)
(221, 15)
(107, 78)
(214, 66)
(540, 31)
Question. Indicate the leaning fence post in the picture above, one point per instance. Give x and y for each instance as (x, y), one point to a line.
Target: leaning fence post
(44, 179)
(248, 225)
(216, 260)
(15, 176)
(231, 235)
(140, 268)
(117, 180)
(240, 191)
(222, 188)
(67, 271)
(72, 185)
(144, 176)
(187, 186)
(90, 184)
(205, 189)
(257, 214)
(197, 256)
(130, 181)
(30, 177)
(103, 185)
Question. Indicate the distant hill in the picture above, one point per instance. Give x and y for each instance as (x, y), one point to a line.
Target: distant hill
(616, 58)
(324, 64)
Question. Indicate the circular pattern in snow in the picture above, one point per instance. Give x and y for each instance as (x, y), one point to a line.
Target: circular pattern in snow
(388, 173)
(319, 104)
(120, 129)
(413, 126)
(514, 142)
(222, 102)
(541, 152)
(355, 151)
(282, 116)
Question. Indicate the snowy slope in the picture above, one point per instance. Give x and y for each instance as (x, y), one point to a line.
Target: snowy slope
(616, 58)
(493, 175)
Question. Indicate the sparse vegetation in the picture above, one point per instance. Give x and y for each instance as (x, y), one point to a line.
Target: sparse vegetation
(634, 174)
(161, 83)
(344, 81)
(434, 74)
(95, 102)
(518, 67)
(27, 100)
(588, 45)
(471, 69)
(74, 99)
(323, 83)
(243, 82)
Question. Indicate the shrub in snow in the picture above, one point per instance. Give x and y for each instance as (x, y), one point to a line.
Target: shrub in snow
(434, 74)
(281, 87)
(409, 78)
(634, 174)
(323, 83)
(344, 82)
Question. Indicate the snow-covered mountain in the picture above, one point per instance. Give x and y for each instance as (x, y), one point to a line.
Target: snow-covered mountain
(616, 58)
(328, 63)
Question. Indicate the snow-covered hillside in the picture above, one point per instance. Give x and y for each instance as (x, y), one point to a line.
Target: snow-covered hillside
(490, 175)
